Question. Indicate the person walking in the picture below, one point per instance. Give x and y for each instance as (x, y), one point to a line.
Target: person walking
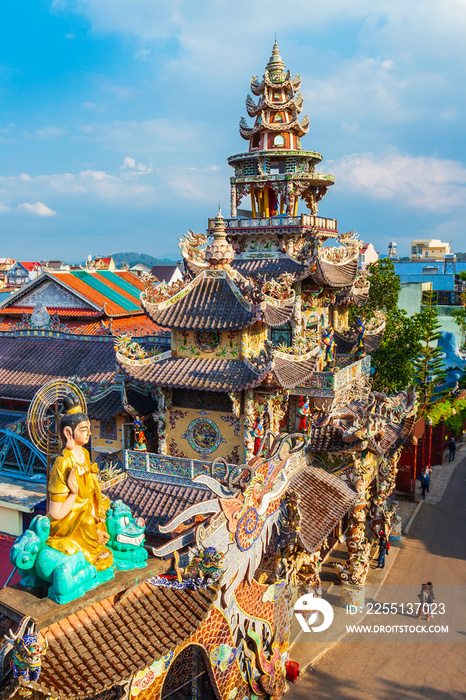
(452, 448)
(430, 598)
(424, 483)
(423, 600)
(427, 473)
(383, 549)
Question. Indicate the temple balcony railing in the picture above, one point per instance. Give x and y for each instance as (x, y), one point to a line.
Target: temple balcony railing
(155, 464)
(327, 385)
(301, 222)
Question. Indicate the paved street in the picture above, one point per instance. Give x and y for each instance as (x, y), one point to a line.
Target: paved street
(435, 550)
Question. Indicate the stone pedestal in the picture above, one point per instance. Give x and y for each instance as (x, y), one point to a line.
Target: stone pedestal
(352, 594)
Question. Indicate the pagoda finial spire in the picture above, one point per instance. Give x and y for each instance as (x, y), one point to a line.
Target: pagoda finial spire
(275, 60)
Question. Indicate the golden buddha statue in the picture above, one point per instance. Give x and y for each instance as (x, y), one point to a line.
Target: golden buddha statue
(77, 507)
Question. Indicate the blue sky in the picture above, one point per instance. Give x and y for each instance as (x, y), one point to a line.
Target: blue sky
(117, 116)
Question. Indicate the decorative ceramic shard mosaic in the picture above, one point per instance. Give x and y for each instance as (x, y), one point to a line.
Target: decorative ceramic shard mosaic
(207, 341)
(203, 435)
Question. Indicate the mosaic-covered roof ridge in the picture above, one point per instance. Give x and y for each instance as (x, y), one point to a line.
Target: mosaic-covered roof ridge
(216, 300)
(197, 373)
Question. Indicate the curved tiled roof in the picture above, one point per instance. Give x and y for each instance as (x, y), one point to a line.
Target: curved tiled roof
(278, 315)
(210, 305)
(290, 373)
(156, 501)
(346, 342)
(323, 501)
(109, 405)
(195, 373)
(26, 363)
(330, 274)
(331, 437)
(104, 644)
(271, 266)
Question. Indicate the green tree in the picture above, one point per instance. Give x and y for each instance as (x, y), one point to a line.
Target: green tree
(429, 365)
(393, 361)
(385, 287)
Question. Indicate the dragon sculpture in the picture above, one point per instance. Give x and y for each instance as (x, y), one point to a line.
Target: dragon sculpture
(247, 508)
(191, 245)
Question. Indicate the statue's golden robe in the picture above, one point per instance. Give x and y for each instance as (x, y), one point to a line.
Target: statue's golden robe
(78, 530)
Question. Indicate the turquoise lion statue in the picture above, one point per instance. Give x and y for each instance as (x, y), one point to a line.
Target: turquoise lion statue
(71, 575)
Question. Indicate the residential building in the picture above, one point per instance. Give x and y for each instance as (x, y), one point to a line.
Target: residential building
(22, 272)
(5, 265)
(167, 273)
(367, 255)
(429, 249)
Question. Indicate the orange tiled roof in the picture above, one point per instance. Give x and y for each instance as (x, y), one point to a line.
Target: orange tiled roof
(104, 644)
(111, 307)
(132, 279)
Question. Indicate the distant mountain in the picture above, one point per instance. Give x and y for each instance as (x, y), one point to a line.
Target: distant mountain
(142, 258)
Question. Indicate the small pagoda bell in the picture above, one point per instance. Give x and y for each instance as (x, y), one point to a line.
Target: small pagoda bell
(219, 253)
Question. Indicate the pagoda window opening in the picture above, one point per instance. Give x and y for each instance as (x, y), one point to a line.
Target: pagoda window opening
(281, 335)
(255, 143)
(277, 96)
(279, 140)
(277, 167)
(278, 117)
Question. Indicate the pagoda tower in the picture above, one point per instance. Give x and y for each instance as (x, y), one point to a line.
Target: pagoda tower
(261, 339)
(275, 172)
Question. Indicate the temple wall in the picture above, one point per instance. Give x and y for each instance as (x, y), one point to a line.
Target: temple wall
(255, 339)
(195, 434)
(193, 344)
(107, 434)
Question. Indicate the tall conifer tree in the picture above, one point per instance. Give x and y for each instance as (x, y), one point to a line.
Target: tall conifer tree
(430, 371)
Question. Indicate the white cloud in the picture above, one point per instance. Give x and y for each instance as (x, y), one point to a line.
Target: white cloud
(93, 107)
(129, 162)
(423, 183)
(37, 209)
(49, 132)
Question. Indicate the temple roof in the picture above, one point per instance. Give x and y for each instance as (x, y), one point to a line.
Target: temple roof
(381, 423)
(156, 501)
(347, 342)
(333, 274)
(217, 304)
(195, 373)
(292, 370)
(209, 304)
(26, 363)
(103, 644)
(271, 266)
(112, 403)
(323, 501)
